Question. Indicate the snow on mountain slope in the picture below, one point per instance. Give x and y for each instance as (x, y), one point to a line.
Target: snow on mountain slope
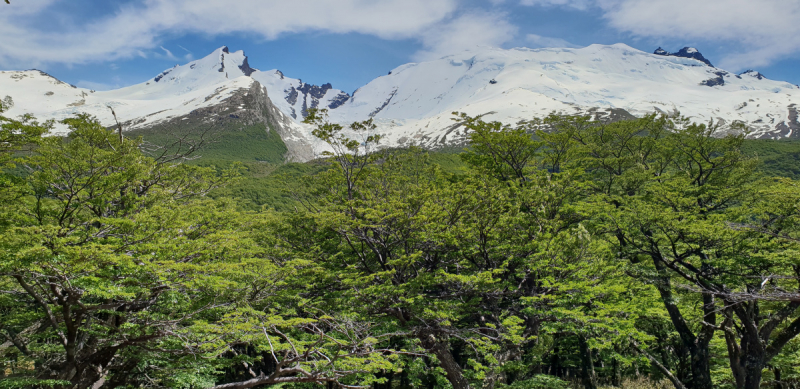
(294, 97)
(217, 87)
(415, 101)
(174, 93)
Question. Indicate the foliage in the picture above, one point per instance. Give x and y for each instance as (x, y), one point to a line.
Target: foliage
(540, 381)
(559, 252)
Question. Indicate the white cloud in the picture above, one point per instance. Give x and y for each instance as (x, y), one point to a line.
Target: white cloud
(762, 31)
(766, 29)
(138, 27)
(578, 4)
(464, 32)
(168, 54)
(545, 41)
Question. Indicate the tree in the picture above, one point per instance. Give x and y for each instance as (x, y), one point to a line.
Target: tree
(674, 193)
(105, 253)
(568, 282)
(472, 268)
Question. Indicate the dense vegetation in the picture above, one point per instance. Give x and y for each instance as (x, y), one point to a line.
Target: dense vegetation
(560, 253)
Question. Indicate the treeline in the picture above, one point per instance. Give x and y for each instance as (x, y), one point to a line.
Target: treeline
(569, 253)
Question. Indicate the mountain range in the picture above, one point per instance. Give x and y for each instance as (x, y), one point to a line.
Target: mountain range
(413, 103)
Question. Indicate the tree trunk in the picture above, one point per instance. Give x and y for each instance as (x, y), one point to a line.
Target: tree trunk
(555, 362)
(701, 368)
(778, 384)
(441, 349)
(587, 365)
(753, 365)
(616, 378)
(697, 345)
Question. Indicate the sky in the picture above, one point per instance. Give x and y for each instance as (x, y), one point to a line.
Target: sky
(102, 44)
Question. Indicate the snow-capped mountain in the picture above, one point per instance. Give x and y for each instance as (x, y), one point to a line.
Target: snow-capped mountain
(415, 101)
(173, 93)
(217, 87)
(413, 104)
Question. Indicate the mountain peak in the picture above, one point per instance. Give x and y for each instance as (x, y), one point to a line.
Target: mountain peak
(686, 52)
(221, 64)
(752, 73)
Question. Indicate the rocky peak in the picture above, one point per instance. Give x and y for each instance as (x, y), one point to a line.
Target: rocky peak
(315, 91)
(686, 52)
(245, 68)
(752, 73)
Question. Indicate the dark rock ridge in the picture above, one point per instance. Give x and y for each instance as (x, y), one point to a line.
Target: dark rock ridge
(314, 91)
(719, 80)
(339, 100)
(311, 95)
(752, 73)
(385, 103)
(686, 52)
(160, 76)
(245, 67)
(791, 127)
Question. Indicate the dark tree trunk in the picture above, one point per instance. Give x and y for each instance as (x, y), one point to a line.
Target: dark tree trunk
(587, 365)
(757, 344)
(697, 345)
(555, 362)
(616, 377)
(778, 384)
(701, 368)
(441, 349)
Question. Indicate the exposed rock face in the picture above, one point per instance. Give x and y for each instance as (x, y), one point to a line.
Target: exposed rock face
(752, 73)
(686, 52)
(245, 107)
(245, 68)
(791, 127)
(719, 80)
(311, 96)
(162, 75)
(314, 91)
(385, 103)
(291, 96)
(337, 101)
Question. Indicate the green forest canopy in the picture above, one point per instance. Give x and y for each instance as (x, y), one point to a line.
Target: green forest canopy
(561, 252)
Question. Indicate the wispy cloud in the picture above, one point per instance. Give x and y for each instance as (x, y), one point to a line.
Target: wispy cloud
(535, 41)
(761, 32)
(577, 4)
(138, 27)
(168, 54)
(466, 31)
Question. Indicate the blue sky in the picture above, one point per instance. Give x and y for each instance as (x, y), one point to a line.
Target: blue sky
(103, 44)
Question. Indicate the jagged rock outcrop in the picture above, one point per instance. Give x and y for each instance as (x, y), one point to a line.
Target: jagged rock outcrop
(686, 52)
